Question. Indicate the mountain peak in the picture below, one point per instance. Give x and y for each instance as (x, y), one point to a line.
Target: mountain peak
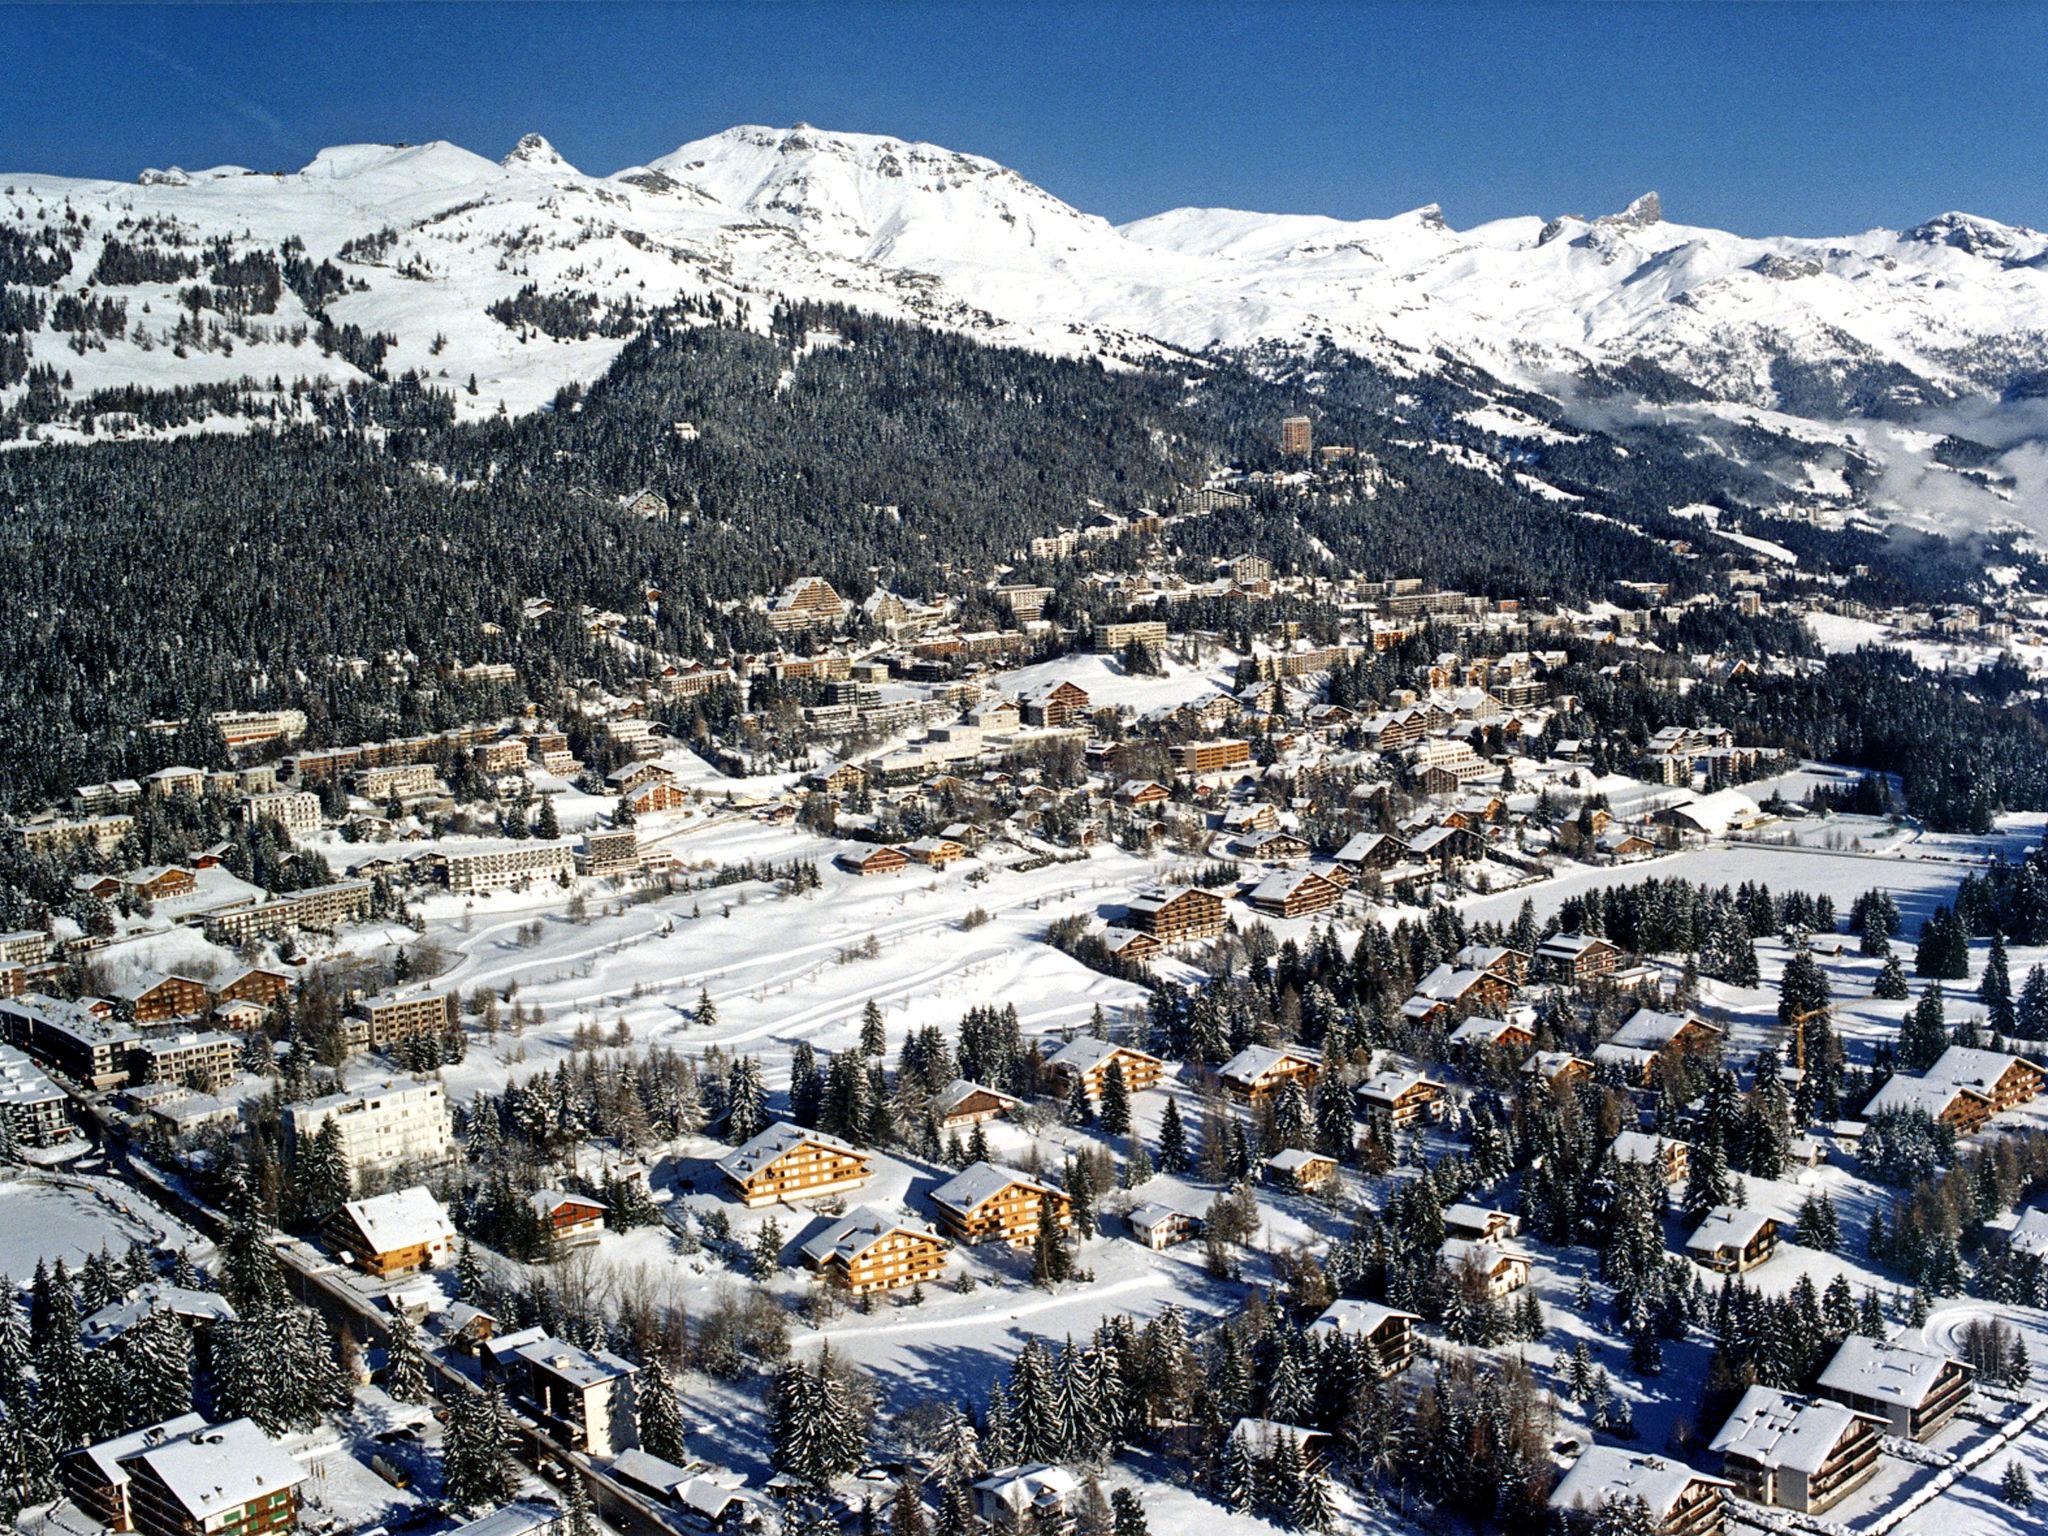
(1640, 214)
(534, 152)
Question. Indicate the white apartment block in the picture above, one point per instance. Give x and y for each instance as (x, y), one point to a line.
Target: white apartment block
(295, 810)
(381, 1127)
(511, 865)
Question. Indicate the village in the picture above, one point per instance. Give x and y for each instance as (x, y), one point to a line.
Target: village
(821, 1087)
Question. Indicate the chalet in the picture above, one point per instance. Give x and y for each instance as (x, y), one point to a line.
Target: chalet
(184, 1477)
(1510, 965)
(394, 1234)
(1467, 991)
(1447, 847)
(1294, 893)
(1797, 1452)
(1503, 1270)
(1373, 850)
(1263, 1438)
(161, 882)
(1621, 843)
(1464, 1219)
(1478, 1034)
(570, 1220)
(627, 777)
(1177, 914)
(264, 988)
(1647, 1033)
(1090, 1059)
(1161, 1226)
(879, 860)
(1387, 1330)
(1681, 1502)
(653, 799)
(1733, 1241)
(1401, 1099)
(1558, 1069)
(1301, 1171)
(872, 1251)
(1959, 1105)
(933, 852)
(1673, 1157)
(1129, 944)
(786, 1162)
(1138, 793)
(201, 1311)
(1913, 1391)
(1052, 704)
(990, 1203)
(165, 998)
(1575, 957)
(1274, 846)
(961, 1103)
(1036, 1497)
(2008, 1081)
(1255, 816)
(1258, 1072)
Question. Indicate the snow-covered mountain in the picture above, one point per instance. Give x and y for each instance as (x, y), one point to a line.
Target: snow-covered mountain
(1874, 349)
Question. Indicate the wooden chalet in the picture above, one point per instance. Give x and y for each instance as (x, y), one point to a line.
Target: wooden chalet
(1388, 1331)
(394, 1234)
(1799, 1453)
(787, 1162)
(1090, 1059)
(991, 1203)
(1680, 1501)
(869, 1250)
(1733, 1242)
(961, 1104)
(878, 860)
(1575, 958)
(1913, 1390)
(571, 1220)
(1178, 914)
(1258, 1072)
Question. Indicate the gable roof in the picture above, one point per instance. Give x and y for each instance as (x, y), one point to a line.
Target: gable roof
(776, 1141)
(402, 1219)
(981, 1182)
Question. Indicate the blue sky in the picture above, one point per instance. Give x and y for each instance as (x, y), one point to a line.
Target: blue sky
(1804, 119)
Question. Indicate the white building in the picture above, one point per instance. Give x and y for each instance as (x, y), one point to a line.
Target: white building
(381, 1127)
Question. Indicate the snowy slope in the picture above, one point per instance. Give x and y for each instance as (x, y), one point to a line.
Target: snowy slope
(1895, 325)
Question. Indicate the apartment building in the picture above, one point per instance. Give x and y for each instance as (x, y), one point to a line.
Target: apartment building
(991, 1203)
(1177, 914)
(869, 1250)
(393, 1016)
(381, 1127)
(584, 1395)
(57, 836)
(186, 1477)
(37, 1110)
(787, 1162)
(609, 853)
(323, 907)
(1297, 436)
(203, 1057)
(1913, 1391)
(161, 999)
(515, 864)
(1112, 638)
(296, 810)
(67, 1038)
(1797, 1452)
(1217, 755)
(398, 781)
(809, 602)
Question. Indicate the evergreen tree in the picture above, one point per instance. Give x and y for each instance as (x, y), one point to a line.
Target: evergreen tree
(874, 1038)
(706, 1011)
(2016, 1487)
(1116, 1100)
(1923, 1035)
(1173, 1141)
(405, 1362)
(476, 1466)
(1050, 1261)
(1995, 990)
(156, 1369)
(661, 1418)
(1891, 984)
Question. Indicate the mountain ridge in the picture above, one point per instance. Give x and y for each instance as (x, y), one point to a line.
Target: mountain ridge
(1856, 347)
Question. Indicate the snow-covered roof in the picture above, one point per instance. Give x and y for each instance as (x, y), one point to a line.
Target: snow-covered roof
(858, 1231)
(1606, 1472)
(983, 1181)
(577, 1366)
(1640, 1147)
(1965, 1067)
(518, 1519)
(1255, 1061)
(776, 1141)
(1885, 1371)
(1649, 1029)
(1727, 1227)
(405, 1218)
(1086, 1052)
(1295, 1159)
(2030, 1233)
(546, 1202)
(961, 1089)
(116, 1318)
(1775, 1429)
(1028, 1487)
(1349, 1315)
(221, 1467)
(1152, 1215)
(1926, 1095)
